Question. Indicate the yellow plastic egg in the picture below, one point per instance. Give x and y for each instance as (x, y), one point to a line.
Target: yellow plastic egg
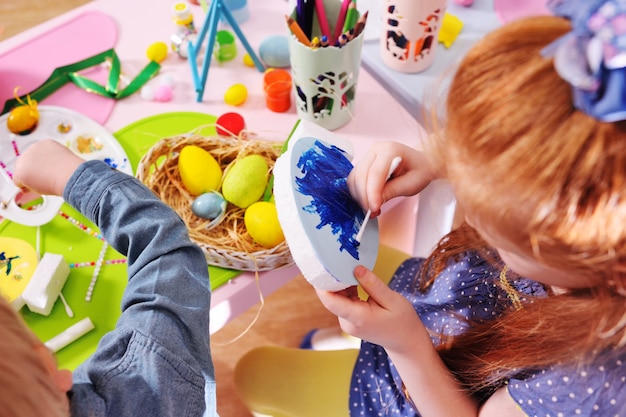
(236, 95)
(247, 60)
(245, 181)
(199, 171)
(157, 52)
(261, 220)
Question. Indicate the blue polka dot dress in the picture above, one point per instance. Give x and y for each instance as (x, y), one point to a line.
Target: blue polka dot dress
(469, 289)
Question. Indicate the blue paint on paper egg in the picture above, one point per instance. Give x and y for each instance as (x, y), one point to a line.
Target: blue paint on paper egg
(209, 205)
(326, 170)
(274, 51)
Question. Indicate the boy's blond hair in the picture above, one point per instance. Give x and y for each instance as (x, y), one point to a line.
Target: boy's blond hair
(26, 386)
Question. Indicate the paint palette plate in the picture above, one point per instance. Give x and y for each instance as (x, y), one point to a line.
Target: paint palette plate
(85, 137)
(319, 217)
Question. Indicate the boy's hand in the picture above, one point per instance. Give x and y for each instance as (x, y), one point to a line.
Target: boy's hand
(45, 167)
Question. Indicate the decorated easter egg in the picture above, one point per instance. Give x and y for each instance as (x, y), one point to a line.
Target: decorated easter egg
(23, 119)
(209, 205)
(261, 220)
(274, 51)
(157, 52)
(236, 95)
(245, 181)
(199, 171)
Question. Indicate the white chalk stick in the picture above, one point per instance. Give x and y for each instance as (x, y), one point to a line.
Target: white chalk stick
(69, 335)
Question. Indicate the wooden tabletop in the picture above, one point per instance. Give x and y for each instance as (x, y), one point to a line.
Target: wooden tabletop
(17, 16)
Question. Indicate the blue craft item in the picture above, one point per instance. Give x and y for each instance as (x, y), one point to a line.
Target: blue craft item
(330, 216)
(274, 51)
(239, 9)
(209, 31)
(325, 170)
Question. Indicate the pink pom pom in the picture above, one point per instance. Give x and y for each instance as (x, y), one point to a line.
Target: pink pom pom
(465, 3)
(163, 93)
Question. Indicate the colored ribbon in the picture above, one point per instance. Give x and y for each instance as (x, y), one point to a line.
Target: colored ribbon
(70, 73)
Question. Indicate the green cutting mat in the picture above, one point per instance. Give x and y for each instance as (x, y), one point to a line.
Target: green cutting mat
(62, 237)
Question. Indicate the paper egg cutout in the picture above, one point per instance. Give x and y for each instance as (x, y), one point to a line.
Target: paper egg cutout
(18, 261)
(319, 217)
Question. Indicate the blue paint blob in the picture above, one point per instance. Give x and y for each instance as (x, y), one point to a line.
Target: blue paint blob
(110, 162)
(325, 171)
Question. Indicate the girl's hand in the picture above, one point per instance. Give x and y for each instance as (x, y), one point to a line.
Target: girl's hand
(45, 167)
(368, 180)
(386, 318)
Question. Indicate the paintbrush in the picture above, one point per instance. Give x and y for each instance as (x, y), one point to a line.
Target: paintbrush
(392, 167)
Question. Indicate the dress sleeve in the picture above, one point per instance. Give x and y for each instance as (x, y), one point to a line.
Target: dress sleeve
(593, 390)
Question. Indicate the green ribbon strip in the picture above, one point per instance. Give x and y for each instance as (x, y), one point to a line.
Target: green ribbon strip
(69, 73)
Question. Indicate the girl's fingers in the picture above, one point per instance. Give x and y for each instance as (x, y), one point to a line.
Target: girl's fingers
(377, 290)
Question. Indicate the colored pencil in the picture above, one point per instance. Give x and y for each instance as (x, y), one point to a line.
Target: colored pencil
(300, 14)
(360, 24)
(309, 10)
(341, 18)
(321, 18)
(297, 31)
(342, 39)
(324, 41)
(351, 16)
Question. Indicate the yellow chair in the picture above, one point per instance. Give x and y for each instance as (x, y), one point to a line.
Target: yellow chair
(275, 381)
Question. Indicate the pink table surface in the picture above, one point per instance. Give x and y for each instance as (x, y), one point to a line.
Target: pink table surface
(30, 63)
(377, 116)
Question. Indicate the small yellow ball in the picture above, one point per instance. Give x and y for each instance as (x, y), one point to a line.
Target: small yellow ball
(236, 95)
(261, 220)
(157, 52)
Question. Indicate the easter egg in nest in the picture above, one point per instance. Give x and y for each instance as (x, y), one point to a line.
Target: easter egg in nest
(199, 171)
(245, 181)
(261, 220)
(209, 205)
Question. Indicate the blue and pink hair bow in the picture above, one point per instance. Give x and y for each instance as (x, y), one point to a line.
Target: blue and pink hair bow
(592, 57)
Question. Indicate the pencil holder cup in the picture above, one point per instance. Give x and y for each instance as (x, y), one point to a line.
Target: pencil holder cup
(410, 33)
(325, 77)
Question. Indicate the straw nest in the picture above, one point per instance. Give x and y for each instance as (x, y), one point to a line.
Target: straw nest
(227, 244)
